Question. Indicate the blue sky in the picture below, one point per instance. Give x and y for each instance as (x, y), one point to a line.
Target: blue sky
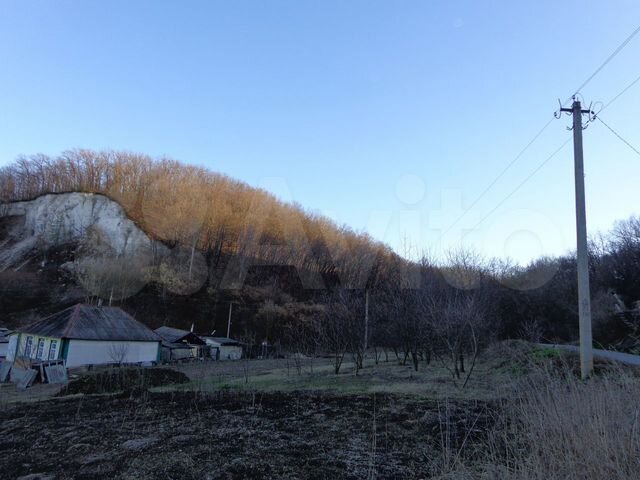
(391, 117)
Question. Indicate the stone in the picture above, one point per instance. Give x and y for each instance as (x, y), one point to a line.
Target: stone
(93, 458)
(183, 439)
(36, 476)
(139, 443)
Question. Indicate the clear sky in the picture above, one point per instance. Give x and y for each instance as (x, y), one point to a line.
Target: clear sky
(389, 116)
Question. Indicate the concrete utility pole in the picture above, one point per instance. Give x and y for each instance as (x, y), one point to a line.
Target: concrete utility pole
(584, 297)
(229, 321)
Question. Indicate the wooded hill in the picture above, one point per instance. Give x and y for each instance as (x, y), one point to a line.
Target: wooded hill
(412, 304)
(193, 207)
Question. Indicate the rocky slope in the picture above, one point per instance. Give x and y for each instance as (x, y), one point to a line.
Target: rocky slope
(49, 221)
(59, 249)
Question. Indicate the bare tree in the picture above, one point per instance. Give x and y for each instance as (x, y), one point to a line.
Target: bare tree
(458, 321)
(118, 353)
(301, 341)
(248, 339)
(333, 327)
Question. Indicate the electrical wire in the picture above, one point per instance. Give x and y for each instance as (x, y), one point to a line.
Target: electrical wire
(619, 136)
(609, 58)
(521, 184)
(624, 90)
(500, 175)
(532, 141)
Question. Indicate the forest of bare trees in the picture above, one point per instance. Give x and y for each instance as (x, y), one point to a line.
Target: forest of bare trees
(419, 312)
(192, 207)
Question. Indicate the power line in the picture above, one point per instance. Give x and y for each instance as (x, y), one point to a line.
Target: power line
(609, 58)
(521, 184)
(537, 135)
(619, 136)
(500, 175)
(624, 90)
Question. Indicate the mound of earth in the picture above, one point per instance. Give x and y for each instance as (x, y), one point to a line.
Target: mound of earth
(124, 380)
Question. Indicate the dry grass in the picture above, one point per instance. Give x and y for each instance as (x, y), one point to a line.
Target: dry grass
(559, 427)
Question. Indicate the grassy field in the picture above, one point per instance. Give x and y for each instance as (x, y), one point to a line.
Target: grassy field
(495, 375)
(492, 377)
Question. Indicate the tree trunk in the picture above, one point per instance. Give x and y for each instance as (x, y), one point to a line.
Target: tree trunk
(415, 358)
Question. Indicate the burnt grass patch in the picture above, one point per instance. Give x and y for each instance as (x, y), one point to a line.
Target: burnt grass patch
(238, 435)
(124, 380)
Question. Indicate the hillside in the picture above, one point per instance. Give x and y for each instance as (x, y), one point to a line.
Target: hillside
(173, 243)
(176, 244)
(193, 207)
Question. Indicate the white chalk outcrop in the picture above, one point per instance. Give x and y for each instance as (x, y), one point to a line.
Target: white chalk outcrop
(95, 221)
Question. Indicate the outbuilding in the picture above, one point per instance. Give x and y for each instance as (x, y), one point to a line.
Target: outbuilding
(224, 348)
(86, 335)
(180, 344)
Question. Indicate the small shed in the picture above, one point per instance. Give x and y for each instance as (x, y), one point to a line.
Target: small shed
(224, 348)
(86, 335)
(180, 344)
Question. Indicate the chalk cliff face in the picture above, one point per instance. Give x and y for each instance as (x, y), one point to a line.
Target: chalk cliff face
(94, 221)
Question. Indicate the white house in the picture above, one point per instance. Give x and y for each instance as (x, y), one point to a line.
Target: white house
(86, 335)
(4, 342)
(223, 348)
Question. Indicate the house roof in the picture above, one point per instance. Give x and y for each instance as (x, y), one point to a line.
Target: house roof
(176, 346)
(87, 322)
(222, 340)
(175, 335)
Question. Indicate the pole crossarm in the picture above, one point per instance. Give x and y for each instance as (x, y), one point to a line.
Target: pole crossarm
(582, 110)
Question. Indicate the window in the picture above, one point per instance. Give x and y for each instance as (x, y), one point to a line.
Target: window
(28, 346)
(40, 350)
(53, 350)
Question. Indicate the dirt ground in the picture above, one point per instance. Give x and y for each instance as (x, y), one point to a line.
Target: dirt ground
(234, 435)
(263, 419)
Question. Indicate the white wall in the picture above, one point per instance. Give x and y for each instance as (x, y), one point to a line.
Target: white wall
(4, 347)
(97, 352)
(230, 352)
(13, 346)
(18, 342)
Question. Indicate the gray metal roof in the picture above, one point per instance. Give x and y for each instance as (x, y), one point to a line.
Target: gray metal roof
(223, 340)
(176, 346)
(175, 335)
(87, 322)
